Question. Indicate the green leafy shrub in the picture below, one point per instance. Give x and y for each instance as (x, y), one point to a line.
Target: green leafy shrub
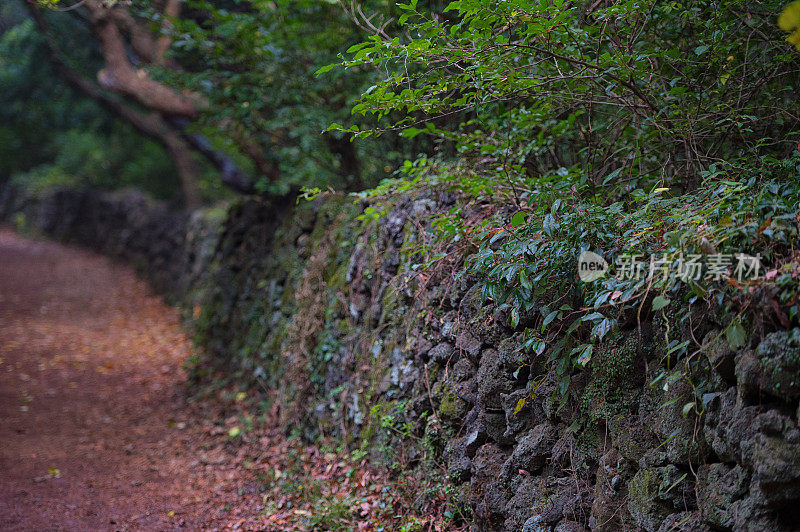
(625, 127)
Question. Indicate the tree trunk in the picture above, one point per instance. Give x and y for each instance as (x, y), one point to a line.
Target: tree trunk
(183, 157)
(169, 111)
(349, 165)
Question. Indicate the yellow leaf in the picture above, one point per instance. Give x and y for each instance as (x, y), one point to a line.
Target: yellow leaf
(640, 233)
(519, 406)
(790, 18)
(794, 38)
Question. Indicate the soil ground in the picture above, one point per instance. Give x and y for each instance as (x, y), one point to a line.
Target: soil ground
(99, 431)
(95, 429)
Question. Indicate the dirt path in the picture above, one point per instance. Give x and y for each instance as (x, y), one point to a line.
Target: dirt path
(95, 431)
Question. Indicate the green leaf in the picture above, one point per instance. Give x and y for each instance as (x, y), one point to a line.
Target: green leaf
(524, 280)
(677, 481)
(698, 290)
(736, 335)
(326, 68)
(519, 218)
(411, 132)
(357, 47)
(660, 302)
(539, 347)
(601, 329)
(549, 318)
(585, 355)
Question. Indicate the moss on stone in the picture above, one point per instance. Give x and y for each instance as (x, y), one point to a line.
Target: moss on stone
(614, 384)
(448, 407)
(779, 357)
(642, 492)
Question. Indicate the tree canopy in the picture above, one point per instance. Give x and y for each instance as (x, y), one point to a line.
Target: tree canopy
(602, 98)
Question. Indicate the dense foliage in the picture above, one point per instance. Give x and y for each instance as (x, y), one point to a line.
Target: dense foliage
(255, 62)
(608, 97)
(249, 67)
(619, 95)
(655, 129)
(255, 65)
(51, 135)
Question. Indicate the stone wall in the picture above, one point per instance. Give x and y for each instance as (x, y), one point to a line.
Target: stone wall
(355, 337)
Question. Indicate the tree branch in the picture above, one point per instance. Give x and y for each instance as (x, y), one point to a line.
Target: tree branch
(120, 76)
(168, 131)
